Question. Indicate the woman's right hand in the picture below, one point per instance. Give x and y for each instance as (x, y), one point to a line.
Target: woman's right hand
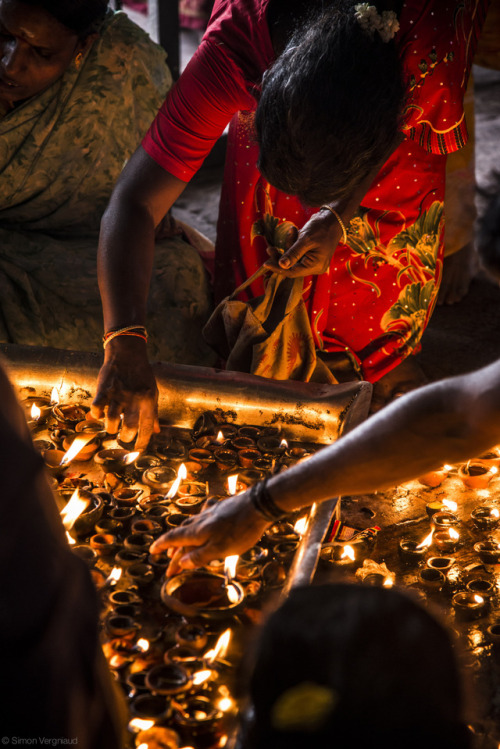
(126, 385)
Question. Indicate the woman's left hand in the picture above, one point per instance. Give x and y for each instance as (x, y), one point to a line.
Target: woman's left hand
(313, 249)
(230, 526)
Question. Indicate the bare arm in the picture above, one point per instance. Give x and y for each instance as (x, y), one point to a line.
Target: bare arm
(447, 421)
(142, 196)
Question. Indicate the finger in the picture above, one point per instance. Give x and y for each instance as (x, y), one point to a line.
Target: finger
(97, 407)
(113, 415)
(174, 567)
(147, 421)
(294, 254)
(129, 426)
(189, 559)
(177, 537)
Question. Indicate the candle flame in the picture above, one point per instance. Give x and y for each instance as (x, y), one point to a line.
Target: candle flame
(114, 576)
(478, 599)
(495, 512)
(232, 483)
(220, 437)
(54, 396)
(223, 741)
(388, 582)
(447, 467)
(128, 459)
(455, 535)
(427, 541)
(232, 593)
(200, 677)
(284, 443)
(142, 644)
(450, 504)
(493, 469)
(73, 509)
(230, 567)
(77, 445)
(70, 539)
(225, 704)
(221, 646)
(181, 475)
(35, 412)
(348, 552)
(300, 526)
(140, 724)
(143, 746)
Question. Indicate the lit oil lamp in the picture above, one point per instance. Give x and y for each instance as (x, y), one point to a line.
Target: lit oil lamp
(435, 478)
(123, 597)
(113, 459)
(247, 457)
(485, 518)
(442, 505)
(481, 586)
(74, 508)
(192, 636)
(469, 605)
(69, 414)
(159, 478)
(432, 579)
(444, 520)
(235, 486)
(412, 552)
(225, 459)
(447, 541)
(271, 445)
(489, 551)
(476, 475)
(200, 593)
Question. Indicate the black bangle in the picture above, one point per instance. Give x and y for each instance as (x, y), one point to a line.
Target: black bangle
(264, 503)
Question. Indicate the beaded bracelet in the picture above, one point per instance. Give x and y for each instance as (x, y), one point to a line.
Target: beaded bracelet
(342, 225)
(138, 331)
(264, 503)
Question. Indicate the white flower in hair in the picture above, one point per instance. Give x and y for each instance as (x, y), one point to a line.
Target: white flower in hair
(370, 21)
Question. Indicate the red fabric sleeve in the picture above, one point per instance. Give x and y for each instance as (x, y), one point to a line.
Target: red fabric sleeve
(211, 89)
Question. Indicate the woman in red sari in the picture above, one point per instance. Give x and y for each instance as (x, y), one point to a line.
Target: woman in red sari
(371, 254)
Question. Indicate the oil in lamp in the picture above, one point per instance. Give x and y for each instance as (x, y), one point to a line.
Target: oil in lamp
(476, 475)
(481, 586)
(447, 541)
(412, 552)
(443, 564)
(469, 605)
(489, 551)
(440, 505)
(431, 578)
(485, 518)
(444, 520)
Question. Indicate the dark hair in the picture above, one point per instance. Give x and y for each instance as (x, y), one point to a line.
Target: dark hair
(488, 229)
(388, 664)
(330, 107)
(83, 17)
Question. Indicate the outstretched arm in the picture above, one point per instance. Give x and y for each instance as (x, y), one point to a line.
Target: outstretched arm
(142, 196)
(447, 421)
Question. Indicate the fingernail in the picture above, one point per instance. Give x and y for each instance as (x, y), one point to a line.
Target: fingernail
(284, 262)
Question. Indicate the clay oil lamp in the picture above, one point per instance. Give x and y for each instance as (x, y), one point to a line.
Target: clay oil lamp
(174, 519)
(485, 518)
(173, 450)
(89, 507)
(443, 564)
(270, 445)
(121, 626)
(159, 479)
(69, 414)
(139, 542)
(136, 681)
(109, 525)
(104, 544)
(229, 431)
(126, 557)
(493, 632)
(156, 512)
(159, 562)
(250, 562)
(476, 475)
(280, 533)
(187, 657)
(225, 459)
(412, 552)
(211, 441)
(469, 605)
(435, 478)
(147, 709)
(250, 476)
(341, 554)
(489, 551)
(127, 497)
(248, 456)
(168, 679)
(250, 430)
(124, 597)
(432, 579)
(123, 515)
(447, 541)
(41, 445)
(198, 720)
(191, 636)
(490, 458)
(147, 525)
(443, 520)
(193, 469)
(112, 459)
(235, 485)
(481, 586)
(53, 462)
(440, 505)
(90, 426)
(142, 462)
(199, 593)
(202, 456)
(285, 551)
(242, 443)
(86, 553)
(141, 574)
(36, 409)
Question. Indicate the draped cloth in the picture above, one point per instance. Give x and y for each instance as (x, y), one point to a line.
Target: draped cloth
(61, 153)
(378, 294)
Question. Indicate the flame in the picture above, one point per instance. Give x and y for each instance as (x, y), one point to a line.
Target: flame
(116, 661)
(232, 483)
(388, 582)
(447, 467)
(219, 438)
(200, 677)
(139, 724)
(223, 741)
(232, 593)
(77, 444)
(181, 475)
(128, 459)
(114, 576)
(478, 599)
(54, 396)
(225, 704)
(427, 540)
(348, 552)
(284, 443)
(493, 469)
(70, 539)
(495, 512)
(300, 526)
(220, 648)
(142, 644)
(450, 504)
(73, 509)
(230, 567)
(455, 535)
(35, 412)
(143, 746)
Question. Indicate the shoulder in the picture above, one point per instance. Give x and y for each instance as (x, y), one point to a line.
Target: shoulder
(120, 34)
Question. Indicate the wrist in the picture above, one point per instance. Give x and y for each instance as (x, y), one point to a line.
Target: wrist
(264, 504)
(125, 346)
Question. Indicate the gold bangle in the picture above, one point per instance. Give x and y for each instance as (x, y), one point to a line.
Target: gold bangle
(342, 225)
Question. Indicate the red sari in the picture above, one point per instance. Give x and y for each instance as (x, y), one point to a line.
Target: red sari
(379, 292)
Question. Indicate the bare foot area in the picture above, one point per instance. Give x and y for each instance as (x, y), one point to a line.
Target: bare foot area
(403, 378)
(458, 271)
